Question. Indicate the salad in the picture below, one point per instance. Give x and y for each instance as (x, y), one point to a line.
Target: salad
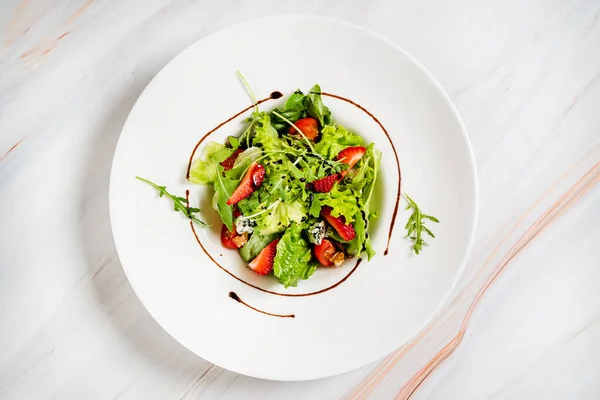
(294, 192)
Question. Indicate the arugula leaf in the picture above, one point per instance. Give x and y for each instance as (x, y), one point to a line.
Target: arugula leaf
(294, 170)
(179, 203)
(255, 244)
(224, 187)
(335, 138)
(204, 169)
(316, 108)
(416, 225)
(293, 258)
(315, 206)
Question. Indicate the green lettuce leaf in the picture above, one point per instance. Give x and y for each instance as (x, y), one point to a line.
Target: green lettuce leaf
(279, 217)
(293, 258)
(243, 161)
(265, 136)
(342, 200)
(366, 179)
(369, 248)
(335, 138)
(357, 245)
(204, 169)
(316, 108)
(255, 244)
(373, 161)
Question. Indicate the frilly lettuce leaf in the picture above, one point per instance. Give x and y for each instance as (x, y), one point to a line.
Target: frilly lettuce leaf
(373, 161)
(204, 169)
(243, 161)
(366, 179)
(293, 258)
(265, 136)
(279, 217)
(335, 138)
(343, 201)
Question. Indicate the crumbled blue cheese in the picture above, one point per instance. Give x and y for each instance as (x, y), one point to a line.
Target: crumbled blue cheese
(243, 224)
(316, 232)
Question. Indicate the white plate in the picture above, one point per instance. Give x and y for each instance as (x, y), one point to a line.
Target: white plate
(383, 303)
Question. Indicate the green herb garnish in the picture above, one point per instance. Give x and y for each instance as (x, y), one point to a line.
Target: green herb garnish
(179, 203)
(416, 225)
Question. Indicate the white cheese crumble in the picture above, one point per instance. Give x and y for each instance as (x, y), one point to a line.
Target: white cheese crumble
(243, 224)
(316, 232)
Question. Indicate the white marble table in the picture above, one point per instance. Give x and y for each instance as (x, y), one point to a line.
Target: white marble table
(524, 321)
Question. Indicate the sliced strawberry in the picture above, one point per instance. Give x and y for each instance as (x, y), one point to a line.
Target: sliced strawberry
(350, 156)
(263, 263)
(346, 231)
(227, 237)
(250, 182)
(324, 185)
(308, 126)
(227, 164)
(324, 252)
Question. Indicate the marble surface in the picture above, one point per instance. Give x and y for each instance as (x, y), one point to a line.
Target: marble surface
(523, 322)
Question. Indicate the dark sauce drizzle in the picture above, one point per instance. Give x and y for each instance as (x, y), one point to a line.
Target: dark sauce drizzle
(233, 295)
(237, 298)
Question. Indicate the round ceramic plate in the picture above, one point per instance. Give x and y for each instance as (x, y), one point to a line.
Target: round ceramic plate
(342, 318)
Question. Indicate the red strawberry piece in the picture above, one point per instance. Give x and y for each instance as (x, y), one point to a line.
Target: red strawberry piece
(308, 126)
(250, 182)
(227, 164)
(227, 237)
(324, 252)
(350, 156)
(324, 185)
(236, 212)
(346, 231)
(263, 263)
